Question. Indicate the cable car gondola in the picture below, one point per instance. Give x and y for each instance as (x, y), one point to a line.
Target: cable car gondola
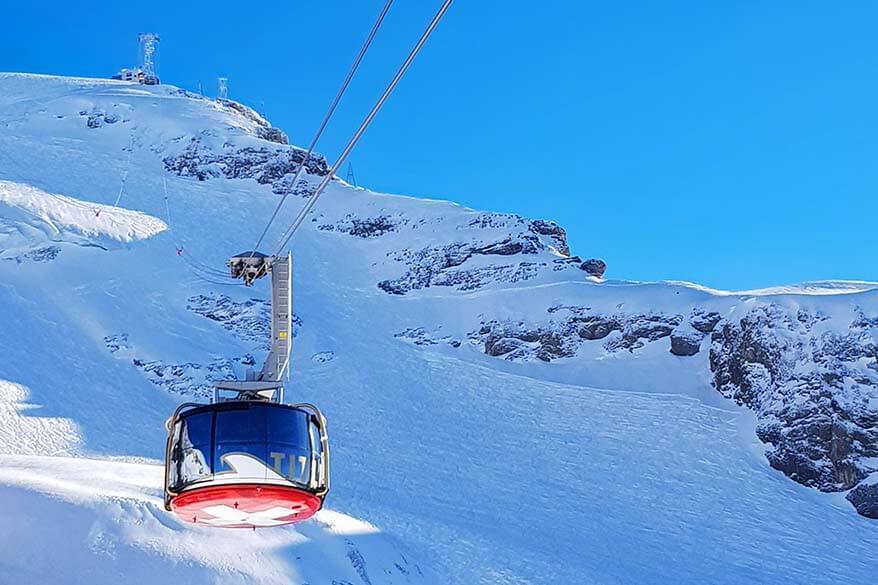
(248, 460)
(246, 463)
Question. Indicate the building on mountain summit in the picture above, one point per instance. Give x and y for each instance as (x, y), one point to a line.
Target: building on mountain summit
(146, 72)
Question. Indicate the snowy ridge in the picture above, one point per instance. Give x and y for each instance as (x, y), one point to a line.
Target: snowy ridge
(34, 215)
(497, 413)
(820, 287)
(817, 287)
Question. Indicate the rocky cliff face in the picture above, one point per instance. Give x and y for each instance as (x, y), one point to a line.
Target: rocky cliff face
(570, 327)
(810, 377)
(273, 166)
(813, 383)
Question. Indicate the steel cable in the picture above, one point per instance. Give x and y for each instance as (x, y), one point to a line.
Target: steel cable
(326, 118)
(288, 234)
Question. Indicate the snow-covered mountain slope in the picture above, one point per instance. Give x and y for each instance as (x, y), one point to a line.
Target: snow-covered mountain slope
(497, 414)
(102, 521)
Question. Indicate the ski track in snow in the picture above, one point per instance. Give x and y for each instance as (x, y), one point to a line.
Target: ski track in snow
(451, 461)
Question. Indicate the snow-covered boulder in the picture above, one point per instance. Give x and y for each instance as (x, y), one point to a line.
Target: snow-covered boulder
(864, 498)
(595, 267)
(704, 321)
(686, 342)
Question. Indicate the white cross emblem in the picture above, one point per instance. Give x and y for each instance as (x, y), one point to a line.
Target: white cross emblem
(227, 516)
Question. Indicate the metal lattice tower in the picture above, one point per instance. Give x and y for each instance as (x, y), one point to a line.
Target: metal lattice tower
(350, 178)
(250, 266)
(223, 84)
(148, 48)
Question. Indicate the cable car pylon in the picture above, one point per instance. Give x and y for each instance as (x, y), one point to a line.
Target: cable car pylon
(247, 459)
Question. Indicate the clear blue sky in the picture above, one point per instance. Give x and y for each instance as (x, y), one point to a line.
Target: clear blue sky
(732, 144)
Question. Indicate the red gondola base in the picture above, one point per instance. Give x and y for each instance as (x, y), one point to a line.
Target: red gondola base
(245, 505)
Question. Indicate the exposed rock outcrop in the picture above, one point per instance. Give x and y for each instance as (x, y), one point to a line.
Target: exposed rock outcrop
(704, 321)
(192, 380)
(270, 166)
(420, 336)
(439, 266)
(189, 379)
(564, 334)
(865, 499)
(518, 341)
(527, 248)
(368, 227)
(117, 342)
(686, 343)
(597, 326)
(545, 227)
(638, 330)
(811, 383)
(248, 320)
(555, 235)
(687, 337)
(41, 254)
(272, 135)
(594, 267)
(96, 118)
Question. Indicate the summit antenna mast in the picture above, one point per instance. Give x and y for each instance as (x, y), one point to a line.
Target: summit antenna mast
(148, 49)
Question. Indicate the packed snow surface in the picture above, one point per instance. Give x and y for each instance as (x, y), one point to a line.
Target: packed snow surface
(449, 465)
(103, 521)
